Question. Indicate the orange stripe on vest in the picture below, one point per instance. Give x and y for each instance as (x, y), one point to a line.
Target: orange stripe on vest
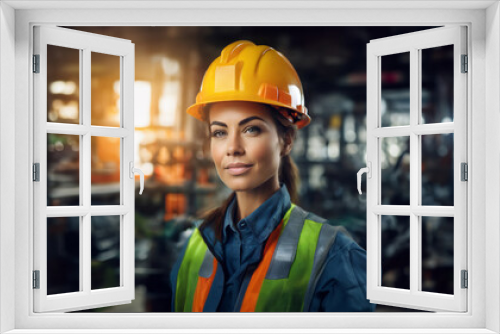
(253, 289)
(202, 289)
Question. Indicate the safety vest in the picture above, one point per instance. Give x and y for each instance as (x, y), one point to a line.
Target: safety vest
(285, 278)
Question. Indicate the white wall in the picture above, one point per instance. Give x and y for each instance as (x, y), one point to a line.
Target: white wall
(485, 116)
(7, 185)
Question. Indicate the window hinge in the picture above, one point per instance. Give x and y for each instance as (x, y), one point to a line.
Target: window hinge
(36, 279)
(36, 172)
(465, 64)
(465, 171)
(36, 63)
(465, 279)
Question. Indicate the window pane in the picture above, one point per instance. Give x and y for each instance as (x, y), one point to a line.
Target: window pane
(105, 90)
(105, 248)
(63, 255)
(63, 170)
(63, 84)
(437, 254)
(437, 84)
(105, 170)
(395, 251)
(395, 89)
(395, 170)
(437, 169)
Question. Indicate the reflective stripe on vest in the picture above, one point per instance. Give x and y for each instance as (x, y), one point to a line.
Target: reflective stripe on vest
(285, 278)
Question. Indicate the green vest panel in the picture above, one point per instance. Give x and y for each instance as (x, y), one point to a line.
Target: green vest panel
(291, 277)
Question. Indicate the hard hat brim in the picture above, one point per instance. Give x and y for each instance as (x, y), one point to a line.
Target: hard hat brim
(196, 110)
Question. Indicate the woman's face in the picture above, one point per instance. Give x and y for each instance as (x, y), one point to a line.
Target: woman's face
(245, 145)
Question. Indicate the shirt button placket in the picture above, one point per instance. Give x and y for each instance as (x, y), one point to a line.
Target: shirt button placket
(246, 235)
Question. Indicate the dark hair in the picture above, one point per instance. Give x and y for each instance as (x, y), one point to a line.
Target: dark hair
(288, 172)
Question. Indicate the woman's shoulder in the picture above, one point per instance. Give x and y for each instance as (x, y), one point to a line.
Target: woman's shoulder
(344, 241)
(197, 223)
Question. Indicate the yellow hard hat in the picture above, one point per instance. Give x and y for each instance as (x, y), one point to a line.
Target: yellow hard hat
(255, 73)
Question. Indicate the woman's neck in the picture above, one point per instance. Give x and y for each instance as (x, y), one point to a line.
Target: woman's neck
(249, 201)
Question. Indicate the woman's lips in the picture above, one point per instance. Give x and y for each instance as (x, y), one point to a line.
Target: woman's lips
(238, 170)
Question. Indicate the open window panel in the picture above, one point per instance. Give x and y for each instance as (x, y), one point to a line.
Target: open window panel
(84, 197)
(416, 153)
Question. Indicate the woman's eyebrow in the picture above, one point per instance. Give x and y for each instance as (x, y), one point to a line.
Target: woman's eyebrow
(246, 120)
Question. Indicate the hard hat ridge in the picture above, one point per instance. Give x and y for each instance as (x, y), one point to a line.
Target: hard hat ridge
(233, 50)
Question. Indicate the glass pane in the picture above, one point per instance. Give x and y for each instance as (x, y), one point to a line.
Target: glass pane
(437, 169)
(105, 90)
(105, 170)
(395, 170)
(63, 170)
(395, 251)
(105, 249)
(437, 254)
(395, 89)
(63, 84)
(437, 84)
(63, 255)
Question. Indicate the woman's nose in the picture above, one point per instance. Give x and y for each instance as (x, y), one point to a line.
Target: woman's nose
(234, 145)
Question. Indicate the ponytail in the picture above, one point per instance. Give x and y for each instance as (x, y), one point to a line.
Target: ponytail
(288, 174)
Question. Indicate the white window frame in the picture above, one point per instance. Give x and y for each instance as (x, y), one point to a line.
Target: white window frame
(16, 215)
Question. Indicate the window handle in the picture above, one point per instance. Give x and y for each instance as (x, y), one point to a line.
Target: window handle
(368, 171)
(136, 170)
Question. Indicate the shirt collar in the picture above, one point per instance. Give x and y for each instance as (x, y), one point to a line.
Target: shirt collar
(264, 219)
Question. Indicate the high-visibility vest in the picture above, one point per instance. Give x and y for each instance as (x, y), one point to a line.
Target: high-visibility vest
(285, 278)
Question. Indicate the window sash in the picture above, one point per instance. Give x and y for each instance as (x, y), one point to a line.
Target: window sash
(415, 297)
(86, 43)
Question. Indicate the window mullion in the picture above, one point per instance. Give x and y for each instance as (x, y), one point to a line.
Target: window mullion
(415, 92)
(86, 165)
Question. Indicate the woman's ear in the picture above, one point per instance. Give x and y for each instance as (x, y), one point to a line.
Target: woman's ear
(287, 144)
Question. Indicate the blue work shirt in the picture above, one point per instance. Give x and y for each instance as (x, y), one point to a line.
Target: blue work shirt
(341, 287)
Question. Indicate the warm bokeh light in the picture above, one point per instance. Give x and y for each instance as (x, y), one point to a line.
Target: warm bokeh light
(169, 103)
(63, 87)
(63, 110)
(142, 104)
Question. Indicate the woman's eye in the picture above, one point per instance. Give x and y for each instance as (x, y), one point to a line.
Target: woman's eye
(250, 129)
(253, 129)
(217, 133)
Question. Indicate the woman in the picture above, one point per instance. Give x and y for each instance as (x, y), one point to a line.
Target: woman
(260, 251)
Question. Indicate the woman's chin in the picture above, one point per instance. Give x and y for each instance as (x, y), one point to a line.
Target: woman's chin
(240, 185)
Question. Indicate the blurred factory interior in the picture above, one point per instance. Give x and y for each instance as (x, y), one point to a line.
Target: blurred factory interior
(181, 181)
